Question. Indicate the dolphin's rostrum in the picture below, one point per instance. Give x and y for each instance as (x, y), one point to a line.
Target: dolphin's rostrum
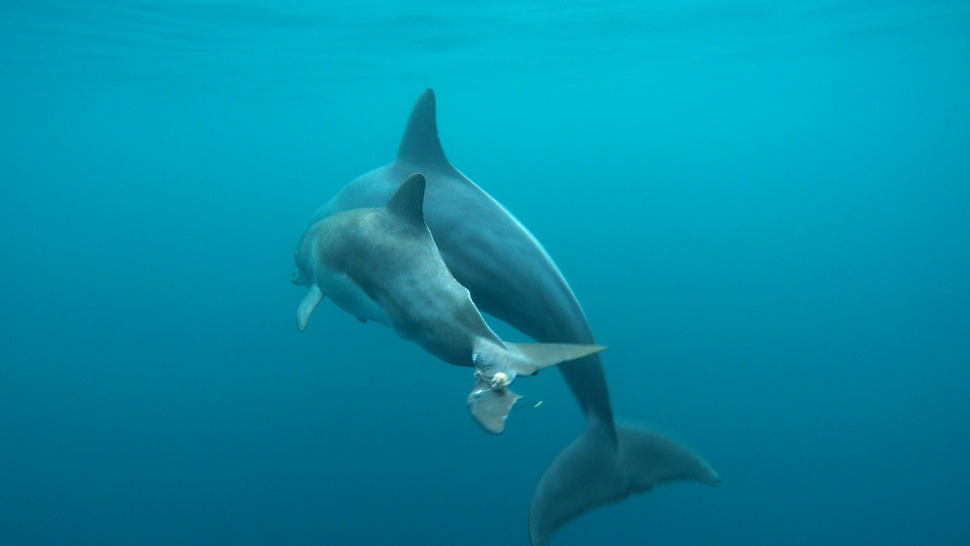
(511, 277)
(382, 264)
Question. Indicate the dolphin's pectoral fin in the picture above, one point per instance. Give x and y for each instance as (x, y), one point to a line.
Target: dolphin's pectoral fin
(490, 401)
(307, 305)
(543, 355)
(593, 471)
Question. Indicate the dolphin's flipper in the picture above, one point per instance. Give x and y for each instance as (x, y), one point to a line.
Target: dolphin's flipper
(591, 473)
(307, 305)
(490, 403)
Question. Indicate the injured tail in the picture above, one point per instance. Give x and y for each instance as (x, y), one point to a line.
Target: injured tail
(497, 366)
(594, 471)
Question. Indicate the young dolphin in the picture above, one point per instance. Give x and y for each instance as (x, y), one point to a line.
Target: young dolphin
(511, 277)
(382, 264)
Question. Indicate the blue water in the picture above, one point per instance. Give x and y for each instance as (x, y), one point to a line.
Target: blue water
(764, 208)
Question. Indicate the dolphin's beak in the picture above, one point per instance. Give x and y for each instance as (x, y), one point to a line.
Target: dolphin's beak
(295, 276)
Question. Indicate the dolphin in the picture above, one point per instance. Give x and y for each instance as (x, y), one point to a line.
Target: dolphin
(382, 264)
(511, 277)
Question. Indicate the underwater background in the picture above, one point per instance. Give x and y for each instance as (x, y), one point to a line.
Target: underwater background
(764, 208)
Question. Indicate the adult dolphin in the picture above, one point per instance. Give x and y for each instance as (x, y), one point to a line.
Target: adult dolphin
(511, 277)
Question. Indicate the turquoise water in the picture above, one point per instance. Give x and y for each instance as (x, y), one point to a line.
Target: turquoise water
(764, 208)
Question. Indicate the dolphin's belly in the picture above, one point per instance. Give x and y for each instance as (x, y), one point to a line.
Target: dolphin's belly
(349, 297)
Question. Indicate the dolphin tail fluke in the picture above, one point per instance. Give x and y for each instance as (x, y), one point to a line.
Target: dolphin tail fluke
(594, 471)
(496, 368)
(543, 355)
(490, 406)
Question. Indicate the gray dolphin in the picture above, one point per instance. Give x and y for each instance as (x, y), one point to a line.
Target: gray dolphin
(382, 264)
(511, 277)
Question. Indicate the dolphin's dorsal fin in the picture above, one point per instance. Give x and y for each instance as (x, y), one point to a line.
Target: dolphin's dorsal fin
(420, 144)
(407, 201)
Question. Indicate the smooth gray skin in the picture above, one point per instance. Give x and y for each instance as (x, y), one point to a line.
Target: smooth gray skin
(511, 277)
(382, 264)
